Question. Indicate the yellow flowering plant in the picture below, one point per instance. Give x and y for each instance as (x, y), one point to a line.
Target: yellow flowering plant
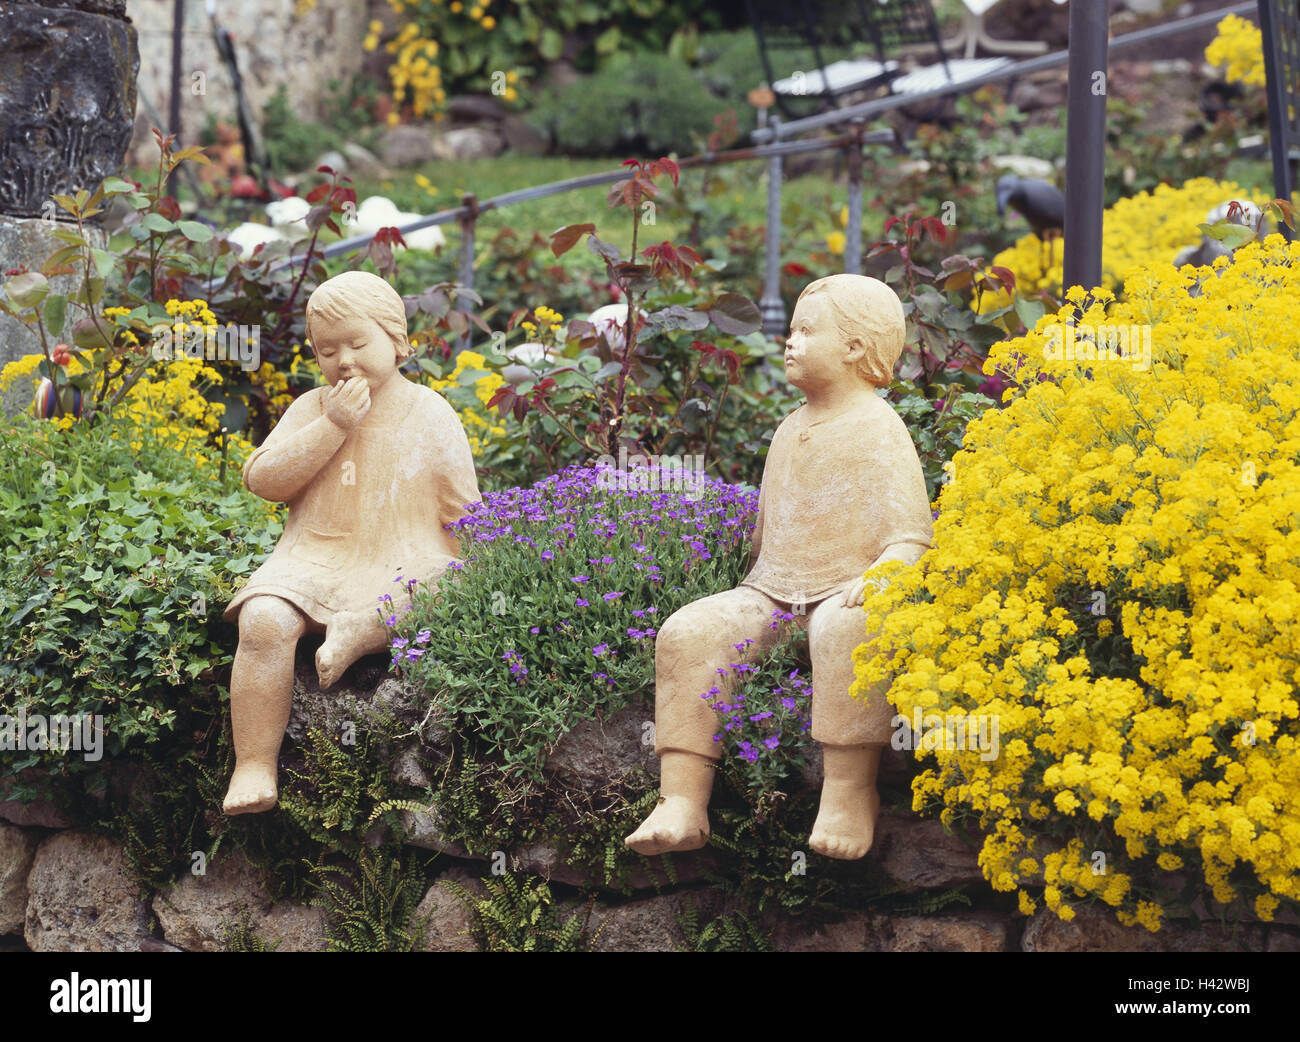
(1112, 593)
(1144, 228)
(1238, 49)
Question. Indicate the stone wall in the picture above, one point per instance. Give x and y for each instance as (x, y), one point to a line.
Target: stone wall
(63, 888)
(274, 45)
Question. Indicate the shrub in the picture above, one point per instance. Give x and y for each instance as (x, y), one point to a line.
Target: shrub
(643, 102)
(1124, 605)
(122, 546)
(553, 615)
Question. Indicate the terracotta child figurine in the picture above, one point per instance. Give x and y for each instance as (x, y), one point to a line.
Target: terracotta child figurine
(842, 491)
(373, 468)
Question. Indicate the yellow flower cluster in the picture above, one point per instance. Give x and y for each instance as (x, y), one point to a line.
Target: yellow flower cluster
(549, 318)
(414, 71)
(1115, 581)
(415, 67)
(1239, 50)
(478, 426)
(1147, 227)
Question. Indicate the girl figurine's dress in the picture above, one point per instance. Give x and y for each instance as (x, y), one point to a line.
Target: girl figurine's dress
(376, 511)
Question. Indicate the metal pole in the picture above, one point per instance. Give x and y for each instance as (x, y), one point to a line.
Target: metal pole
(853, 240)
(1275, 88)
(1085, 143)
(465, 274)
(178, 40)
(771, 306)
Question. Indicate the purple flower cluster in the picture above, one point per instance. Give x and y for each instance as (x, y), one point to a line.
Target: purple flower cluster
(753, 728)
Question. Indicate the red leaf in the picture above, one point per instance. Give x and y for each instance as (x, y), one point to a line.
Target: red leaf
(668, 167)
(322, 169)
(169, 208)
(1005, 275)
(318, 193)
(566, 238)
(515, 316)
(521, 409)
(630, 162)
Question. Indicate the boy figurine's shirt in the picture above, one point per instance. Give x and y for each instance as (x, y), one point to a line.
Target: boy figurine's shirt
(835, 494)
(376, 510)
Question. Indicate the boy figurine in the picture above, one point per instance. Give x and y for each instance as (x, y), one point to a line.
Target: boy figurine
(842, 492)
(373, 468)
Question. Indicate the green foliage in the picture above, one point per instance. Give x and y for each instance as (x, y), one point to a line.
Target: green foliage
(645, 102)
(371, 902)
(519, 916)
(238, 936)
(729, 932)
(116, 570)
(291, 144)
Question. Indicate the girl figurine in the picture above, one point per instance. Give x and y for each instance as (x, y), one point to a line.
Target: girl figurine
(374, 468)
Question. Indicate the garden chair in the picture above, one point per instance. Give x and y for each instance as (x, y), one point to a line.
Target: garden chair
(803, 36)
(894, 24)
(1279, 21)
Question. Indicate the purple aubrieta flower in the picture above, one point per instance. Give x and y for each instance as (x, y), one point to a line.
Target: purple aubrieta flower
(548, 555)
(789, 703)
(580, 603)
(580, 578)
(535, 629)
(413, 653)
(423, 637)
(456, 565)
(600, 649)
(772, 741)
(761, 716)
(399, 643)
(391, 620)
(613, 595)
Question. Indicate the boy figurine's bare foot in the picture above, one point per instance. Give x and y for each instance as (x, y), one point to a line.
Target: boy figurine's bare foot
(349, 635)
(252, 789)
(676, 824)
(681, 820)
(846, 821)
(846, 817)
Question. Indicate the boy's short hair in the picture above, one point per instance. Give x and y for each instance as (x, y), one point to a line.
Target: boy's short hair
(360, 292)
(867, 313)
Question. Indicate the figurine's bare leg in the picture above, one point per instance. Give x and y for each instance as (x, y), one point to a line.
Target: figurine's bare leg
(846, 818)
(349, 635)
(261, 695)
(853, 734)
(681, 819)
(693, 644)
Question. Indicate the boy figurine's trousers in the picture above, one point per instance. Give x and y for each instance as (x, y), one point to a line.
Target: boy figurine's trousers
(700, 639)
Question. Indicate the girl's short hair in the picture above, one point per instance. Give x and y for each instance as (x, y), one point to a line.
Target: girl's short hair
(360, 293)
(867, 313)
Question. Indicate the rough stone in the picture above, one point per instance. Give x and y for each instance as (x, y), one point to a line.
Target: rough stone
(603, 752)
(365, 163)
(17, 850)
(1097, 930)
(196, 912)
(471, 108)
(67, 102)
(465, 143)
(37, 813)
(425, 830)
(80, 897)
(923, 855)
(406, 145)
(851, 934)
(445, 918)
(27, 242)
(333, 159)
(521, 136)
(651, 924)
(941, 933)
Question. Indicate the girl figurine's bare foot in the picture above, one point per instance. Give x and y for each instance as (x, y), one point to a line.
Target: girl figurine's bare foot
(253, 788)
(846, 820)
(349, 635)
(676, 824)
